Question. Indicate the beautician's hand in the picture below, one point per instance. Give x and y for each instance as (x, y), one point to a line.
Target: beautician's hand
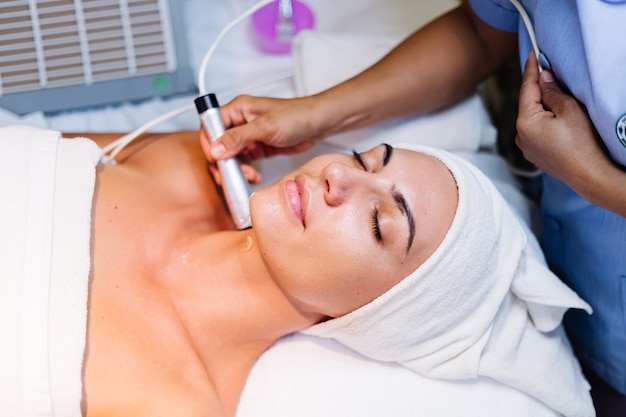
(556, 134)
(249, 172)
(554, 130)
(263, 127)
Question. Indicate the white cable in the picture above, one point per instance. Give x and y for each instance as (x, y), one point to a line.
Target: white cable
(116, 146)
(227, 28)
(531, 32)
(119, 144)
(529, 29)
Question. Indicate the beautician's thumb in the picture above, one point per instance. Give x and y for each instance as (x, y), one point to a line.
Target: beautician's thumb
(231, 142)
(551, 93)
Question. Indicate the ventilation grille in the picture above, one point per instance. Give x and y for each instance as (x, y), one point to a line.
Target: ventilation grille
(57, 43)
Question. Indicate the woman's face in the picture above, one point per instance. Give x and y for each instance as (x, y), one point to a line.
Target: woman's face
(343, 229)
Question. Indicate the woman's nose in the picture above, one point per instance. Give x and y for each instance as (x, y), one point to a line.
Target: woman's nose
(341, 182)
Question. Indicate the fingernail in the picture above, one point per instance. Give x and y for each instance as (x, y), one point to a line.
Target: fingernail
(547, 76)
(217, 150)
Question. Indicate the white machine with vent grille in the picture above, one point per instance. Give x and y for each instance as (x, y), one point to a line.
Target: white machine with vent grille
(65, 54)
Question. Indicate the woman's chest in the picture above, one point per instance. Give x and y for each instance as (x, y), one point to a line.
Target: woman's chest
(139, 363)
(140, 220)
(139, 358)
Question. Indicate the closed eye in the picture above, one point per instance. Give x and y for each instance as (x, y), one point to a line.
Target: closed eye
(375, 223)
(376, 226)
(358, 159)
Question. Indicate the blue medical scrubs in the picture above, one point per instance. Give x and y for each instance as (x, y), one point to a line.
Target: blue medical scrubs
(584, 42)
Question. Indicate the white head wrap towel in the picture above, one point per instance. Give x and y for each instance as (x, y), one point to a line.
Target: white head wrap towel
(483, 304)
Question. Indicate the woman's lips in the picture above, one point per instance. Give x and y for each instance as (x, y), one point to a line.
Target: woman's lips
(294, 198)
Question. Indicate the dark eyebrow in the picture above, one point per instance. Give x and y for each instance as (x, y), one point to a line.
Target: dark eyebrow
(395, 194)
(400, 200)
(386, 156)
(404, 208)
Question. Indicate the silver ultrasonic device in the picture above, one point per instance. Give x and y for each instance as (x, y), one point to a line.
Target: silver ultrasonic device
(235, 186)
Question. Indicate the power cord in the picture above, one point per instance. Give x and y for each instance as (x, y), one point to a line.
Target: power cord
(115, 147)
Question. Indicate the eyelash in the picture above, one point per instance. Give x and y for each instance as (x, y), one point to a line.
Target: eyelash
(359, 160)
(376, 226)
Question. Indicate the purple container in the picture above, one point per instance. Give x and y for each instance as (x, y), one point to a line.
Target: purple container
(265, 20)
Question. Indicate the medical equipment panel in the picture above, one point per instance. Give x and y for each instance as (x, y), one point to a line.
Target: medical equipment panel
(64, 54)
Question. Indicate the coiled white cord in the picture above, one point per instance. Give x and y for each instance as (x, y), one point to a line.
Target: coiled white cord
(115, 147)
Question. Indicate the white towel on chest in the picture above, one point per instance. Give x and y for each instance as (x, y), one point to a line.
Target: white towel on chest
(46, 186)
(483, 304)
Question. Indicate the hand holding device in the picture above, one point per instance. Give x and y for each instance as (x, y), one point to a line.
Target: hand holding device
(235, 186)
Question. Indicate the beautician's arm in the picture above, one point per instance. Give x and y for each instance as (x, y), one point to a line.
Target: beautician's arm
(556, 134)
(433, 68)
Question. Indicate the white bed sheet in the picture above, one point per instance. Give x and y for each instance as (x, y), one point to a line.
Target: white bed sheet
(302, 375)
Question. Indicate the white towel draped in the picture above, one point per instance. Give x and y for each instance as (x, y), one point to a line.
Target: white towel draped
(46, 184)
(483, 304)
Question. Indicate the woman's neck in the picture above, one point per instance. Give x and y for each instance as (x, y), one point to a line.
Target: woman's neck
(230, 306)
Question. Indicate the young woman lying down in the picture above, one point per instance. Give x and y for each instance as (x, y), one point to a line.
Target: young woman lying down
(406, 255)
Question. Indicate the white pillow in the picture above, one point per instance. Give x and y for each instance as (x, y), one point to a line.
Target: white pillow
(305, 376)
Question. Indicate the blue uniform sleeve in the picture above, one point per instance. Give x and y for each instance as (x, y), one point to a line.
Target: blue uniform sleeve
(500, 14)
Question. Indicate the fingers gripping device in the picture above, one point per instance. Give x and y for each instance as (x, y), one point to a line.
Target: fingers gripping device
(234, 185)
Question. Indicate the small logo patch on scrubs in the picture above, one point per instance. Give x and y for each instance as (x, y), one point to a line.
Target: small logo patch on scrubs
(620, 129)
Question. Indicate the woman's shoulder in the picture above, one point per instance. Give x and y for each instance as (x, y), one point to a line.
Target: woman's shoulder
(158, 147)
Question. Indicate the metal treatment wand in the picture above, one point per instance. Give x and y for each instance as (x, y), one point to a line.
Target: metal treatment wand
(234, 185)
